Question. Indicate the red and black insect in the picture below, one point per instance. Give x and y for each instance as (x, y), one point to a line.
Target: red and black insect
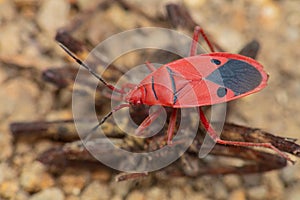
(194, 81)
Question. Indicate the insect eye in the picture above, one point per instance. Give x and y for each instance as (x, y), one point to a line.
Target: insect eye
(221, 92)
(215, 61)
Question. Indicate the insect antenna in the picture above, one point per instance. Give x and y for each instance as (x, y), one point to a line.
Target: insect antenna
(81, 63)
(115, 109)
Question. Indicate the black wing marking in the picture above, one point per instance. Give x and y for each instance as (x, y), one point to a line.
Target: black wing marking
(171, 74)
(238, 76)
(153, 89)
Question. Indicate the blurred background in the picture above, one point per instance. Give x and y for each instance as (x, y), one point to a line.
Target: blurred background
(28, 48)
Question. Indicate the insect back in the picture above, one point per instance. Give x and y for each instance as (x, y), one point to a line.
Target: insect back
(222, 77)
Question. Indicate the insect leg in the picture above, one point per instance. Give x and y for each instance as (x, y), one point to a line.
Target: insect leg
(171, 127)
(197, 31)
(148, 121)
(150, 66)
(212, 133)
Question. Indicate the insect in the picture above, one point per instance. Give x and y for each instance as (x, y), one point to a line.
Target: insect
(194, 81)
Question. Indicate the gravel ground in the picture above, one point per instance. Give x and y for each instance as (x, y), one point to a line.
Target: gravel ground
(27, 47)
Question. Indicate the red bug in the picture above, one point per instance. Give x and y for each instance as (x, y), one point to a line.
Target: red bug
(194, 81)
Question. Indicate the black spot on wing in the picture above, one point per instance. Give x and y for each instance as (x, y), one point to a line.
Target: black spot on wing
(215, 61)
(236, 75)
(221, 92)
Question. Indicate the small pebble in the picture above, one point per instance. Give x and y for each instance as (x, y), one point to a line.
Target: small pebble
(7, 10)
(136, 195)
(121, 188)
(290, 173)
(50, 21)
(117, 197)
(232, 181)
(48, 194)
(274, 184)
(196, 196)
(73, 183)
(6, 144)
(252, 180)
(257, 192)
(35, 178)
(83, 4)
(24, 153)
(293, 193)
(10, 43)
(201, 185)
(72, 197)
(42, 145)
(97, 35)
(6, 172)
(46, 102)
(176, 193)
(238, 194)
(22, 147)
(96, 191)
(220, 191)
(122, 19)
(233, 40)
(14, 91)
(9, 188)
(192, 4)
(156, 193)
(3, 75)
(179, 181)
(59, 115)
(22, 195)
(270, 14)
(103, 175)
